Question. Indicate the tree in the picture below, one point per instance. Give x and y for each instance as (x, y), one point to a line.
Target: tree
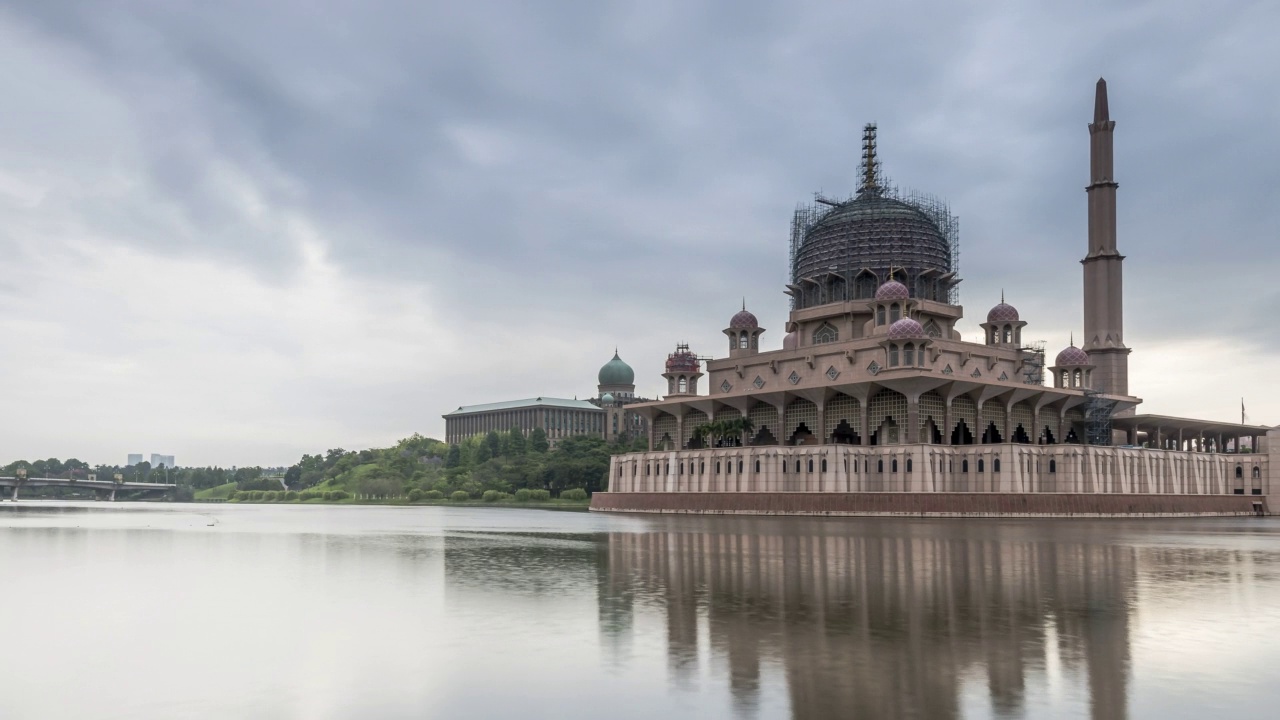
(538, 440)
(516, 444)
(454, 458)
(494, 443)
(293, 476)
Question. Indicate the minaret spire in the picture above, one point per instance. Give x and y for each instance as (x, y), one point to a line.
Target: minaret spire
(1103, 265)
(1101, 113)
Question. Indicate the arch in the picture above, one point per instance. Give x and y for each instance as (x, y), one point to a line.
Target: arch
(895, 313)
(1066, 379)
(743, 341)
(933, 413)
(894, 466)
(826, 333)
(909, 355)
(964, 411)
(1007, 334)
(864, 286)
(824, 464)
(757, 466)
(995, 465)
(964, 465)
(982, 465)
(683, 384)
(1046, 437)
(908, 464)
(810, 465)
(879, 315)
(844, 420)
(886, 413)
(1077, 378)
(800, 417)
(1257, 473)
(893, 355)
(764, 418)
(932, 330)
(1053, 465)
(880, 466)
(1239, 472)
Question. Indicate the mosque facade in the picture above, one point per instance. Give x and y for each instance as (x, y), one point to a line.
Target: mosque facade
(875, 405)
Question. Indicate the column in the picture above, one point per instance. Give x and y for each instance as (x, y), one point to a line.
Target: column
(912, 434)
(821, 430)
(946, 431)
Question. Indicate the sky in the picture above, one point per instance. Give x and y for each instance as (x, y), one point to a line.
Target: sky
(238, 232)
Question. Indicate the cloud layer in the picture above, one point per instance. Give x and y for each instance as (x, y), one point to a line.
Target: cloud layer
(238, 232)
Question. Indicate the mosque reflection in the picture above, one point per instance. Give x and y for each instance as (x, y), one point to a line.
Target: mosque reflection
(878, 620)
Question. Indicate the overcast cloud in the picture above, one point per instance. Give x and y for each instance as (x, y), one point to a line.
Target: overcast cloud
(240, 231)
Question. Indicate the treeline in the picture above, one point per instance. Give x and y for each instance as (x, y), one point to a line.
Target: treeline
(499, 463)
(495, 465)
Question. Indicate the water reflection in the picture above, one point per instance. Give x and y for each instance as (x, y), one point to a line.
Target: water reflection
(888, 622)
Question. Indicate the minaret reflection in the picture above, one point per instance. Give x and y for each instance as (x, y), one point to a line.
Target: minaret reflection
(889, 621)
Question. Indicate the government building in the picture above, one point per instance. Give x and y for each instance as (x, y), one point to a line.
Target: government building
(875, 405)
(608, 415)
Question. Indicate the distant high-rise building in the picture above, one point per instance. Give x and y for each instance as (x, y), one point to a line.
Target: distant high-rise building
(158, 460)
(134, 459)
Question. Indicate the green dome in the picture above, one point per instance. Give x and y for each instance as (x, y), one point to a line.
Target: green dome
(616, 372)
(606, 399)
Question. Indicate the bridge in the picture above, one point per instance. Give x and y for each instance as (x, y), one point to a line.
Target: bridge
(103, 488)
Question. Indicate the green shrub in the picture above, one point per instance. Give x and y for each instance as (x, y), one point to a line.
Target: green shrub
(291, 495)
(459, 496)
(271, 496)
(415, 495)
(233, 495)
(573, 494)
(522, 495)
(257, 495)
(327, 496)
(432, 495)
(341, 494)
(539, 495)
(490, 496)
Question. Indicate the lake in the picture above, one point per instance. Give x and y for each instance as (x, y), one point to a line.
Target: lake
(142, 610)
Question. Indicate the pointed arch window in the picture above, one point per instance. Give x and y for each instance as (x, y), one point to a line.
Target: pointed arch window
(909, 355)
(893, 356)
(743, 341)
(880, 315)
(1008, 334)
(825, 334)
(895, 313)
(932, 330)
(683, 384)
(1077, 379)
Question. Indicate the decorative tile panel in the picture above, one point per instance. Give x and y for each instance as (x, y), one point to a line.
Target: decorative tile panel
(794, 377)
(874, 368)
(758, 382)
(832, 373)
(725, 386)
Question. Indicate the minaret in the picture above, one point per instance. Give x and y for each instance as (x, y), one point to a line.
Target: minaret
(1103, 275)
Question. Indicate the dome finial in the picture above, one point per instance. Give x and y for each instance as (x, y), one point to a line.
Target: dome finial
(1001, 294)
(744, 302)
(1073, 338)
(869, 169)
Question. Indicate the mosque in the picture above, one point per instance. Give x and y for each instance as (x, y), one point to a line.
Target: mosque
(875, 405)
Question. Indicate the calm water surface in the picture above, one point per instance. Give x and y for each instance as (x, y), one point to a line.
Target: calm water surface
(159, 611)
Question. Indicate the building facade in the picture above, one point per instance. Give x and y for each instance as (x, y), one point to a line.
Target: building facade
(608, 415)
(874, 393)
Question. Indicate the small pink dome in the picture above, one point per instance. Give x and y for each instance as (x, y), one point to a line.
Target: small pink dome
(893, 290)
(1072, 356)
(906, 329)
(791, 341)
(744, 321)
(1003, 312)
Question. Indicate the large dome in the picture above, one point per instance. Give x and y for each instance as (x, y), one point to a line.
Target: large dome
(616, 372)
(875, 233)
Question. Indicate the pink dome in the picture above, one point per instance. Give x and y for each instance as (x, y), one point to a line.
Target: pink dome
(1072, 356)
(743, 321)
(791, 341)
(1003, 312)
(893, 290)
(906, 329)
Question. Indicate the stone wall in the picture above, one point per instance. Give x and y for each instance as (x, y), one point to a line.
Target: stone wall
(925, 468)
(931, 504)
